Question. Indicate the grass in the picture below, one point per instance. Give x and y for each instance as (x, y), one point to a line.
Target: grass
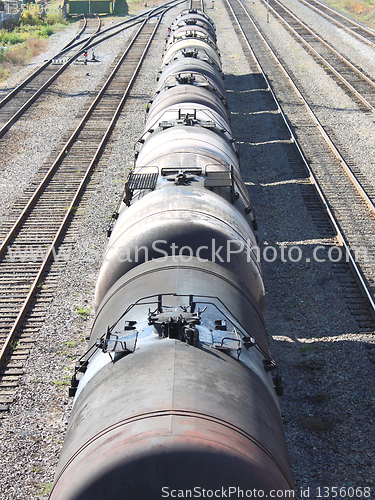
(45, 489)
(361, 10)
(25, 39)
(83, 311)
(308, 348)
(62, 383)
(71, 343)
(11, 37)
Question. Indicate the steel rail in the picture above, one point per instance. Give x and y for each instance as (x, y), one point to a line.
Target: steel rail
(39, 70)
(133, 21)
(59, 158)
(342, 25)
(88, 43)
(83, 27)
(78, 193)
(324, 201)
(41, 89)
(325, 62)
(328, 140)
(196, 1)
(70, 46)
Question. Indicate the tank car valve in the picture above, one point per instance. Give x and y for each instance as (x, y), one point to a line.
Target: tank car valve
(176, 323)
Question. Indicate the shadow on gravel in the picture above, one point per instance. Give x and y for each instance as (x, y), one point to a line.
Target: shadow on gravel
(321, 333)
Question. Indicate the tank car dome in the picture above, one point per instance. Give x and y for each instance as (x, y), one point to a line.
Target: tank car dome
(187, 146)
(196, 96)
(190, 45)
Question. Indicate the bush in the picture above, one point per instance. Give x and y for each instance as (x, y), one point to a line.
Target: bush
(24, 39)
(53, 18)
(31, 18)
(11, 37)
(22, 53)
(16, 55)
(45, 31)
(10, 24)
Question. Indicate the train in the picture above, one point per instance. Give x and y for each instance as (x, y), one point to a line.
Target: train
(177, 395)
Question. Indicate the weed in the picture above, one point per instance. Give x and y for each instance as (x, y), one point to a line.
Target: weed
(30, 18)
(45, 489)
(83, 311)
(4, 73)
(308, 348)
(321, 397)
(13, 344)
(358, 9)
(62, 383)
(45, 31)
(291, 304)
(16, 55)
(35, 45)
(10, 24)
(71, 344)
(55, 19)
(24, 39)
(11, 37)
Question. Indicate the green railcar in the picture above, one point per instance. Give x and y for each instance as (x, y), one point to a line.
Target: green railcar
(91, 7)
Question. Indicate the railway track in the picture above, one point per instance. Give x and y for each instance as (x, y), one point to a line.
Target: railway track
(360, 181)
(35, 238)
(196, 4)
(361, 32)
(358, 84)
(350, 212)
(16, 102)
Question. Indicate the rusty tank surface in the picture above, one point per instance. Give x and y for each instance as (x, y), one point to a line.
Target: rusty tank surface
(177, 395)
